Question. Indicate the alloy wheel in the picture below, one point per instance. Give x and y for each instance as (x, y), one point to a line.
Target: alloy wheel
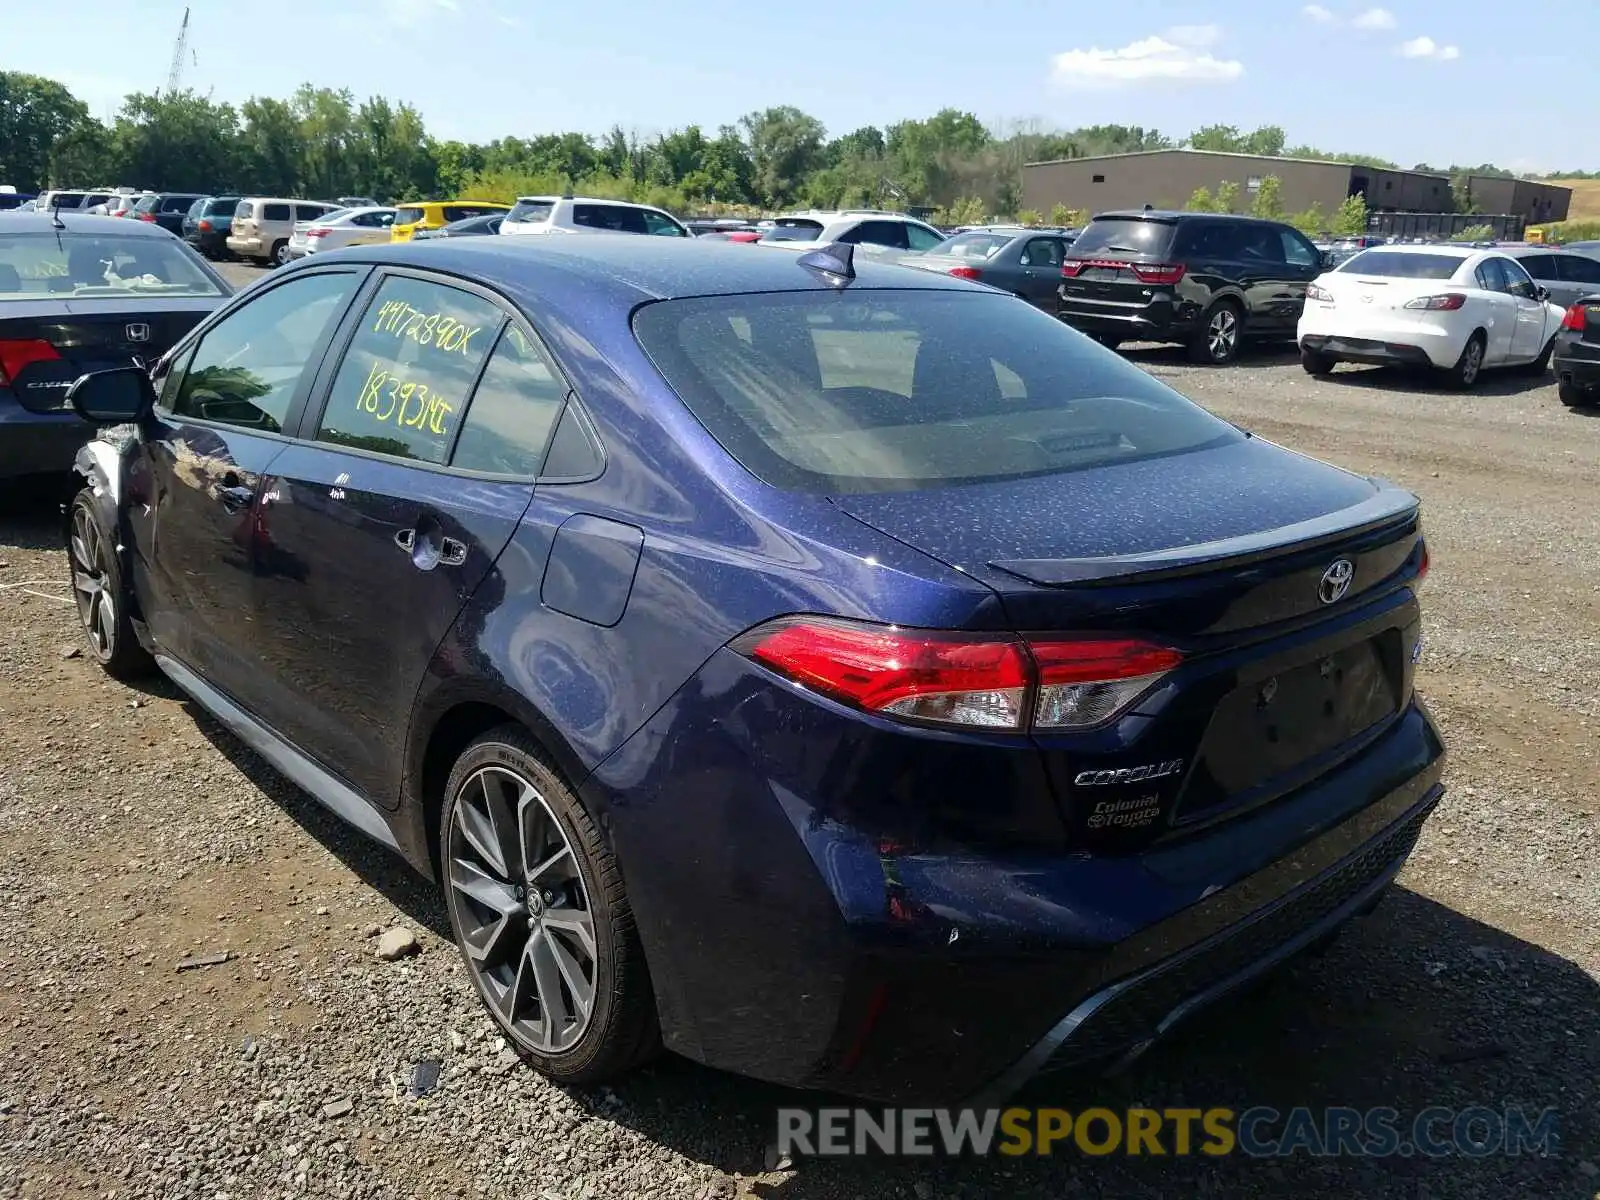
(1221, 334)
(91, 583)
(1471, 361)
(522, 910)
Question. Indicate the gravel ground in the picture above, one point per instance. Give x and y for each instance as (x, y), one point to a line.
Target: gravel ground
(135, 834)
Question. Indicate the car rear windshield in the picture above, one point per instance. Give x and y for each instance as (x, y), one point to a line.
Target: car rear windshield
(974, 245)
(245, 211)
(791, 230)
(1401, 265)
(531, 210)
(34, 266)
(217, 208)
(901, 390)
(147, 204)
(408, 216)
(1124, 235)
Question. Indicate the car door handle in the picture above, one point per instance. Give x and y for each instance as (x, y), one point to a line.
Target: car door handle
(428, 552)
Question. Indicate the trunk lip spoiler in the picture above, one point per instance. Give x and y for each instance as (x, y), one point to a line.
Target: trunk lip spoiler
(1388, 505)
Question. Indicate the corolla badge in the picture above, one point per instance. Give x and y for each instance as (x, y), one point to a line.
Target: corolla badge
(1335, 581)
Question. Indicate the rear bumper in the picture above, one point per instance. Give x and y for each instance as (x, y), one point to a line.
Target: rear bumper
(1164, 319)
(211, 244)
(1366, 350)
(247, 247)
(1421, 341)
(38, 443)
(1575, 361)
(792, 936)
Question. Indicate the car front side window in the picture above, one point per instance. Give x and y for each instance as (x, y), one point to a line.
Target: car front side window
(247, 367)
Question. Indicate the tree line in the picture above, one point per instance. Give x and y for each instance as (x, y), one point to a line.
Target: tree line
(323, 142)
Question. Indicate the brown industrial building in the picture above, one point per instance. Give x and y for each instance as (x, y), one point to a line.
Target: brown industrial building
(1167, 178)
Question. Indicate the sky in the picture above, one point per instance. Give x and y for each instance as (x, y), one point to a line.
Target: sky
(1412, 81)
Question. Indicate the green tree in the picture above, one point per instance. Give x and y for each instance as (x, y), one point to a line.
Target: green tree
(1060, 215)
(1030, 217)
(35, 115)
(327, 137)
(1201, 200)
(1227, 197)
(785, 147)
(270, 149)
(1350, 218)
(1473, 233)
(1310, 222)
(180, 141)
(1268, 201)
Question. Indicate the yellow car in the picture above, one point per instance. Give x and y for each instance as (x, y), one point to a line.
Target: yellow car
(436, 214)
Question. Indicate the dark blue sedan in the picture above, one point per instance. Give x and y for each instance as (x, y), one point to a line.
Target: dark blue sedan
(839, 674)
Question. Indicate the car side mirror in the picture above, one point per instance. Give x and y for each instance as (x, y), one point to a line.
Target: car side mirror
(115, 397)
(1541, 293)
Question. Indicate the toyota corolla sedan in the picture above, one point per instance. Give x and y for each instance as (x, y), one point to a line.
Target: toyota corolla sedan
(839, 674)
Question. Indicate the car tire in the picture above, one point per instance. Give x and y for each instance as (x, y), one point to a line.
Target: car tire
(1314, 363)
(1469, 367)
(572, 932)
(280, 254)
(1541, 364)
(1216, 342)
(103, 602)
(1574, 396)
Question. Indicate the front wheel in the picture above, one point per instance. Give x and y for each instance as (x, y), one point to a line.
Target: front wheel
(541, 916)
(1217, 341)
(102, 601)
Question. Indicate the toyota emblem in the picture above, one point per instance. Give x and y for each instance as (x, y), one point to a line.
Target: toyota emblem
(138, 333)
(1335, 581)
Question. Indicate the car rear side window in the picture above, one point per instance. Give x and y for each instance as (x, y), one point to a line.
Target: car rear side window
(922, 239)
(1124, 235)
(246, 368)
(660, 224)
(1401, 264)
(460, 212)
(147, 204)
(408, 216)
(879, 233)
(1575, 268)
(618, 218)
(513, 411)
(403, 384)
(275, 212)
(893, 391)
(1540, 266)
(311, 212)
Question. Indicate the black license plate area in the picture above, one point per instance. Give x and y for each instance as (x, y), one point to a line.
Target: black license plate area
(1269, 727)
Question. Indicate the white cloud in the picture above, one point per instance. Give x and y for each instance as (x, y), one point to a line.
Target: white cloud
(1375, 18)
(1179, 57)
(1315, 12)
(1426, 47)
(1195, 36)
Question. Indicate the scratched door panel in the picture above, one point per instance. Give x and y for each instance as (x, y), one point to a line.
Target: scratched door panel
(371, 547)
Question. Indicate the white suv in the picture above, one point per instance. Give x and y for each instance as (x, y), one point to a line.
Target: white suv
(586, 214)
(862, 226)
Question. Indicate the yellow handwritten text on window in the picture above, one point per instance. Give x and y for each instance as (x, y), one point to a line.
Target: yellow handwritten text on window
(403, 402)
(425, 328)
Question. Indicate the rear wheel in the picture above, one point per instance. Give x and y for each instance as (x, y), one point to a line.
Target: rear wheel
(1217, 341)
(280, 253)
(1574, 396)
(1315, 363)
(1464, 375)
(541, 916)
(97, 588)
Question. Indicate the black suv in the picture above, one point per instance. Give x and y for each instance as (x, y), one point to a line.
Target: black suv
(1206, 280)
(166, 209)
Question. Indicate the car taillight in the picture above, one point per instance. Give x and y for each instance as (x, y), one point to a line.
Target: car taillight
(311, 233)
(1574, 319)
(974, 680)
(1313, 292)
(147, 216)
(1444, 302)
(1423, 565)
(17, 355)
(966, 272)
(203, 225)
(1158, 272)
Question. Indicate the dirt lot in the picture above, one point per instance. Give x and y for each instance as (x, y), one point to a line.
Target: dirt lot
(135, 833)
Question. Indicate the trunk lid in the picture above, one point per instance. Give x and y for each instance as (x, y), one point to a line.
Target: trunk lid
(1114, 260)
(1229, 555)
(1381, 293)
(91, 335)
